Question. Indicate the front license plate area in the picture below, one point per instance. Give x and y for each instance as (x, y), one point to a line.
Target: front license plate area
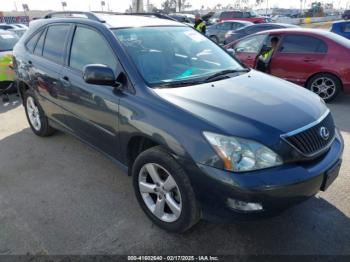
(330, 176)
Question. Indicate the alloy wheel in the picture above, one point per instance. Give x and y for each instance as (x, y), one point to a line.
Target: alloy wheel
(160, 192)
(33, 113)
(324, 87)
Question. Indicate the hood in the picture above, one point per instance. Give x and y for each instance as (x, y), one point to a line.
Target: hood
(253, 105)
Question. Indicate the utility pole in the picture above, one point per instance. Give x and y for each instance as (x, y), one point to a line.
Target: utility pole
(15, 3)
(267, 6)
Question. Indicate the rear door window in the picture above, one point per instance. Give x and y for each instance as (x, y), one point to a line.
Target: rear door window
(55, 42)
(302, 44)
(32, 42)
(38, 50)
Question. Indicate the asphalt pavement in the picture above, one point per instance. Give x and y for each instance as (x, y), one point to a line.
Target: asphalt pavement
(59, 196)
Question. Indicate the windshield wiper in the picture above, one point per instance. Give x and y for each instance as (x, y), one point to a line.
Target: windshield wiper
(224, 73)
(179, 84)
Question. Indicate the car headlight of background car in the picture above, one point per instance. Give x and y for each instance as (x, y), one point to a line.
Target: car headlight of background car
(240, 155)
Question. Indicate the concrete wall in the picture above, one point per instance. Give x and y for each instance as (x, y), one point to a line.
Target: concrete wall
(307, 20)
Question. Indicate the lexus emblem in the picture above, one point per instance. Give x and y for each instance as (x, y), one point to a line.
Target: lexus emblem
(324, 133)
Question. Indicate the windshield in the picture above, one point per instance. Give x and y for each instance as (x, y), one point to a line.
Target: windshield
(7, 41)
(173, 54)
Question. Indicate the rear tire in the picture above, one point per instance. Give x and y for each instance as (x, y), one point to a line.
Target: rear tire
(327, 86)
(179, 210)
(36, 116)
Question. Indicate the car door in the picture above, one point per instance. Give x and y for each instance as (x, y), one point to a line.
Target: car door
(45, 64)
(248, 49)
(298, 57)
(92, 110)
(222, 30)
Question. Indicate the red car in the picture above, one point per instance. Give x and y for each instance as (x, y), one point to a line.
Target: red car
(315, 59)
(250, 16)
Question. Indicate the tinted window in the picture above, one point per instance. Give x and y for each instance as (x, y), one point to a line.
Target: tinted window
(302, 44)
(32, 42)
(55, 42)
(5, 27)
(226, 15)
(39, 46)
(237, 14)
(235, 26)
(250, 45)
(223, 26)
(346, 28)
(246, 15)
(89, 47)
(258, 28)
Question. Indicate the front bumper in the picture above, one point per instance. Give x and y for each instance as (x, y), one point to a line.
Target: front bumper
(275, 189)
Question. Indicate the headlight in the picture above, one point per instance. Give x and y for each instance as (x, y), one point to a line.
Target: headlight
(240, 154)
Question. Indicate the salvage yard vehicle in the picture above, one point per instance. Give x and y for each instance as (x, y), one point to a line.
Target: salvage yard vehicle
(202, 136)
(220, 31)
(341, 28)
(253, 29)
(315, 59)
(7, 42)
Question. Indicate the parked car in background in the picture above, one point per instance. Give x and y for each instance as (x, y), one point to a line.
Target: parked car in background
(184, 18)
(252, 29)
(315, 59)
(18, 31)
(8, 26)
(201, 135)
(250, 16)
(346, 15)
(23, 26)
(7, 42)
(341, 28)
(219, 31)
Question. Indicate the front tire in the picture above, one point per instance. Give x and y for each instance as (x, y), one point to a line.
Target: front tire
(327, 86)
(36, 117)
(163, 191)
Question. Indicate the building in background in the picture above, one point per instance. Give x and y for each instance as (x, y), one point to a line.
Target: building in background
(137, 6)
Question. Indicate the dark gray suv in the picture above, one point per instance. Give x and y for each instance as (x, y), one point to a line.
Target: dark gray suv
(201, 135)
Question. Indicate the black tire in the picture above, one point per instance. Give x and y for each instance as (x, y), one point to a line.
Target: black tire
(190, 212)
(331, 78)
(45, 128)
(214, 38)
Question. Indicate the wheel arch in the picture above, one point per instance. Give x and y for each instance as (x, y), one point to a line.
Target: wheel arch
(139, 143)
(22, 88)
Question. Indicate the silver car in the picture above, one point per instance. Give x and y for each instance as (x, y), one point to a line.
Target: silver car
(218, 32)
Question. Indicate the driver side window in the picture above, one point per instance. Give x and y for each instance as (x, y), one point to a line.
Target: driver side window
(89, 47)
(250, 45)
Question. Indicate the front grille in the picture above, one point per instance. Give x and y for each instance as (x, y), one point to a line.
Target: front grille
(309, 141)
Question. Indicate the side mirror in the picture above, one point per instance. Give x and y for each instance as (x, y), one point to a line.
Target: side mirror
(97, 74)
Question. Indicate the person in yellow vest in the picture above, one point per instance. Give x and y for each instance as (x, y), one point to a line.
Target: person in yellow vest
(199, 24)
(265, 58)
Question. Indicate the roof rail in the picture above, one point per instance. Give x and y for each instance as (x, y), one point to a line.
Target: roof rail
(94, 15)
(74, 14)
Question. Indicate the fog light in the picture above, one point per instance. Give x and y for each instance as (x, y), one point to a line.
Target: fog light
(243, 206)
